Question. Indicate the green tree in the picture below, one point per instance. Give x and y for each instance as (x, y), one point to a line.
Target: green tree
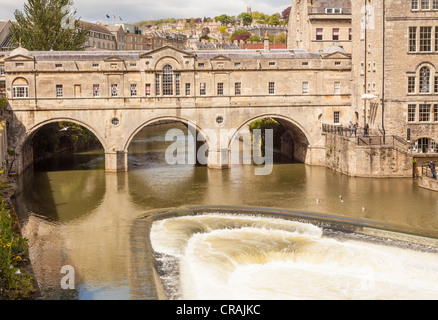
(223, 19)
(48, 24)
(274, 20)
(254, 38)
(239, 33)
(246, 18)
(223, 29)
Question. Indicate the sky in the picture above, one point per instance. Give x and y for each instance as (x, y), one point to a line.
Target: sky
(137, 10)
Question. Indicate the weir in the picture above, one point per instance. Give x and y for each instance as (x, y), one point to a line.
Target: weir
(288, 233)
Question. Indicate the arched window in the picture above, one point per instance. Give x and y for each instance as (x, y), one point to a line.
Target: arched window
(167, 80)
(424, 80)
(20, 88)
(424, 145)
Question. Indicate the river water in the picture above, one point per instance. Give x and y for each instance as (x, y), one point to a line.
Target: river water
(76, 214)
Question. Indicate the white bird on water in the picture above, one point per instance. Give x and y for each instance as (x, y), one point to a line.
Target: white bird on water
(318, 200)
(340, 199)
(363, 209)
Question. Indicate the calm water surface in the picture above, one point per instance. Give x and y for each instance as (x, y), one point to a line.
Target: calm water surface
(75, 214)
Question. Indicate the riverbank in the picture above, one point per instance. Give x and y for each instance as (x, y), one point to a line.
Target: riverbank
(17, 281)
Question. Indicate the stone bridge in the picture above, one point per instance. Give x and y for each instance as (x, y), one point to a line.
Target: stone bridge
(115, 94)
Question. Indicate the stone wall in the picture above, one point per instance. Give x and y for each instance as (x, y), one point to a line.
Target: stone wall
(345, 156)
(428, 183)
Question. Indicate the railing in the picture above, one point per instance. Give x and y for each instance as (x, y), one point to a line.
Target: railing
(426, 171)
(373, 137)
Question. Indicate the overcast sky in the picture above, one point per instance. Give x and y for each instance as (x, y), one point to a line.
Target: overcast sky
(138, 10)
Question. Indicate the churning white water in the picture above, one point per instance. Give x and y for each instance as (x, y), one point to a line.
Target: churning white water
(226, 256)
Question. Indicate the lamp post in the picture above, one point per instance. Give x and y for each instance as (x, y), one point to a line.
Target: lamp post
(365, 97)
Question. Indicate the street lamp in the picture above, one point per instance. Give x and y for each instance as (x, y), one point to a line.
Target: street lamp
(365, 97)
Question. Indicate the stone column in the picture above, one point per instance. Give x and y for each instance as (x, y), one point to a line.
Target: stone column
(219, 158)
(116, 161)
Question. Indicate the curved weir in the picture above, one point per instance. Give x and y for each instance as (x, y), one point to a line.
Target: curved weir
(231, 253)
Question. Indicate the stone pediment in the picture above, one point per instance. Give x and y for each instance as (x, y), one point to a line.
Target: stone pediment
(19, 57)
(113, 59)
(220, 58)
(167, 50)
(335, 55)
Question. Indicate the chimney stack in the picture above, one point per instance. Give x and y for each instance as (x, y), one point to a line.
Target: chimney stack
(266, 41)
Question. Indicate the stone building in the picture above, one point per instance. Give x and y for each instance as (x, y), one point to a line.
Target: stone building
(381, 71)
(394, 46)
(99, 37)
(116, 93)
(317, 24)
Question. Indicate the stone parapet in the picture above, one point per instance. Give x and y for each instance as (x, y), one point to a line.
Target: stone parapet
(428, 183)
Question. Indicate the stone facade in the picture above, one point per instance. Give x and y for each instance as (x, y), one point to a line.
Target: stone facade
(382, 73)
(115, 94)
(316, 25)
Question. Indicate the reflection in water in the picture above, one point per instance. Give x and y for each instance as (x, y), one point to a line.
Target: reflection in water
(83, 216)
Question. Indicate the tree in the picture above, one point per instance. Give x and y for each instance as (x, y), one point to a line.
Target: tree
(48, 24)
(246, 18)
(285, 13)
(254, 38)
(240, 35)
(223, 19)
(274, 20)
(223, 29)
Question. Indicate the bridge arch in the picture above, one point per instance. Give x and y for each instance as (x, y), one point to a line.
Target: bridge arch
(30, 132)
(298, 135)
(24, 151)
(185, 121)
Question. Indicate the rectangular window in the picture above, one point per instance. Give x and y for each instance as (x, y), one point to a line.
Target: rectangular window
(412, 108)
(59, 91)
(435, 5)
(319, 34)
(237, 64)
(157, 84)
(335, 34)
(220, 89)
(425, 39)
(305, 87)
(435, 84)
(177, 84)
(201, 64)
(20, 91)
(147, 89)
(271, 87)
(78, 91)
(336, 117)
(425, 5)
(424, 112)
(58, 65)
(436, 38)
(114, 90)
(95, 65)
(412, 39)
(350, 34)
(2, 70)
(133, 88)
(237, 88)
(337, 87)
(187, 89)
(414, 4)
(96, 90)
(271, 63)
(411, 84)
(203, 89)
(435, 112)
